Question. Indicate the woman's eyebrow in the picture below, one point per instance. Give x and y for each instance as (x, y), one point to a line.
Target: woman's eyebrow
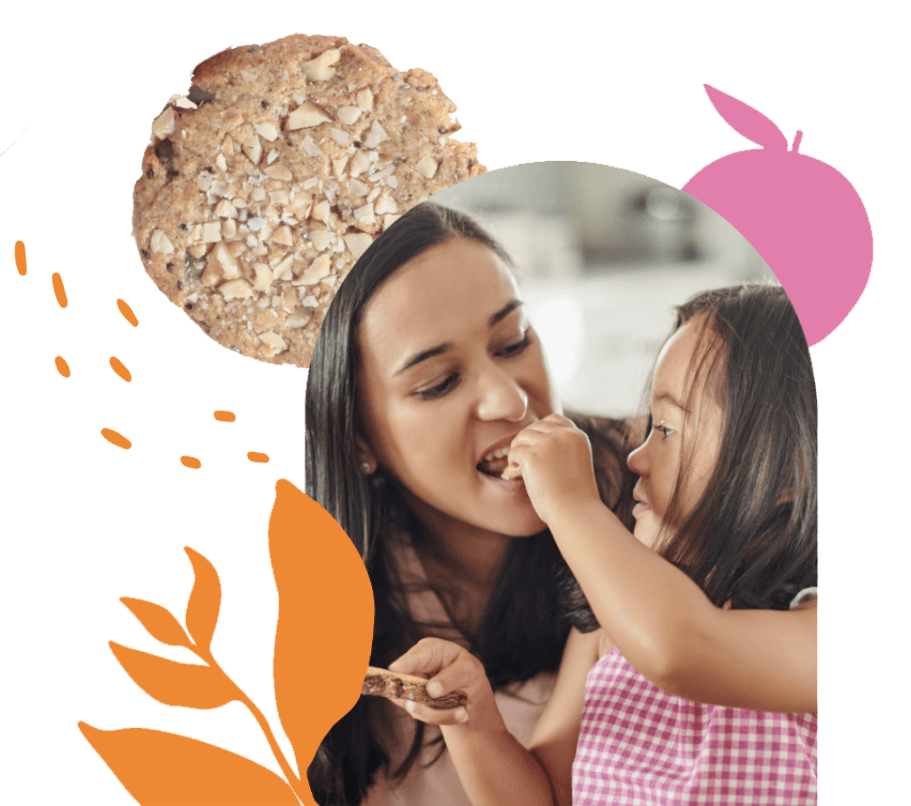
(507, 309)
(423, 356)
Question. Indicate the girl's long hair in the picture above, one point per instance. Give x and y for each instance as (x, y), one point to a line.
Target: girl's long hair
(750, 542)
(523, 630)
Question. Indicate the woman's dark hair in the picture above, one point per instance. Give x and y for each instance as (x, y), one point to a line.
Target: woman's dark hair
(523, 630)
(751, 539)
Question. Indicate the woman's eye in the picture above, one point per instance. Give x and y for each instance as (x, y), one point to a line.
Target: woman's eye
(440, 389)
(516, 347)
(662, 429)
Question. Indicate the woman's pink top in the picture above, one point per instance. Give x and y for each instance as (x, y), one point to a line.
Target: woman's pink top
(437, 783)
(640, 746)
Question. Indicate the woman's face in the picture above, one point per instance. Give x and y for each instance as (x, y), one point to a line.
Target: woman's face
(686, 435)
(450, 372)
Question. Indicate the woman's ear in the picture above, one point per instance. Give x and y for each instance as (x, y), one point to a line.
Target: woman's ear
(366, 456)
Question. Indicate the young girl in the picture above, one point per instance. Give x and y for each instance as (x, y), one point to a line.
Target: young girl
(700, 685)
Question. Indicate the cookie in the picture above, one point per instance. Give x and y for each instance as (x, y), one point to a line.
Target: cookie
(274, 173)
(511, 472)
(383, 683)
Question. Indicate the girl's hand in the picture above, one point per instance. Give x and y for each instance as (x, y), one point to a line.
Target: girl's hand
(449, 667)
(556, 462)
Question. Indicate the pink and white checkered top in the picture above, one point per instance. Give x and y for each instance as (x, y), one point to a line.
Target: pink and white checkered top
(640, 746)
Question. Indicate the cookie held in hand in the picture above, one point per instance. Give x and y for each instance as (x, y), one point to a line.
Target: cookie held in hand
(383, 683)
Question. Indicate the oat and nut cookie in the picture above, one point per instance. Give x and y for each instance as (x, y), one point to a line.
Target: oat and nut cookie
(397, 686)
(264, 184)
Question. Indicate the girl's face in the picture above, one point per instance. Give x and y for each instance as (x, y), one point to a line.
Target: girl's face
(450, 372)
(687, 424)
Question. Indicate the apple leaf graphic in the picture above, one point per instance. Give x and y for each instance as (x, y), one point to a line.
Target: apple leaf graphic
(176, 683)
(747, 121)
(164, 769)
(205, 600)
(158, 621)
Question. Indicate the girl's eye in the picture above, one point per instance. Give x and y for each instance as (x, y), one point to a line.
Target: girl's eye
(517, 347)
(448, 384)
(662, 429)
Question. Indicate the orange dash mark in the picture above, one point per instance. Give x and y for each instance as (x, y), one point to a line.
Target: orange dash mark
(190, 461)
(253, 456)
(59, 291)
(116, 439)
(127, 312)
(120, 369)
(225, 416)
(20, 258)
(62, 367)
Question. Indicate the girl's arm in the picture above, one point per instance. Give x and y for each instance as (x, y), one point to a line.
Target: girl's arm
(665, 626)
(553, 742)
(658, 617)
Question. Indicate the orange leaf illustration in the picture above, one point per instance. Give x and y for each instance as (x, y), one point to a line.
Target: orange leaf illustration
(325, 620)
(164, 769)
(205, 600)
(159, 622)
(176, 683)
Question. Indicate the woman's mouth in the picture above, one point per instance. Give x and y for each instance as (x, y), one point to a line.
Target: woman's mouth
(640, 508)
(495, 462)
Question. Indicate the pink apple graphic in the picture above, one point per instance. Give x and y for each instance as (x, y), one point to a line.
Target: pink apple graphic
(801, 215)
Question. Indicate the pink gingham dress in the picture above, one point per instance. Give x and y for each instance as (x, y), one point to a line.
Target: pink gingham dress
(640, 746)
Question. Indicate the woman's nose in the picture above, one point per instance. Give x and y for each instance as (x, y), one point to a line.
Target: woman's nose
(501, 397)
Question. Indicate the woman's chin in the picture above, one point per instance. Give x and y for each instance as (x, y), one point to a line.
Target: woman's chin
(519, 520)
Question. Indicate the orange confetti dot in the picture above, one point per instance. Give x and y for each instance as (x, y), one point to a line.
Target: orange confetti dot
(120, 369)
(253, 456)
(20, 258)
(190, 461)
(127, 312)
(225, 416)
(59, 290)
(62, 367)
(116, 439)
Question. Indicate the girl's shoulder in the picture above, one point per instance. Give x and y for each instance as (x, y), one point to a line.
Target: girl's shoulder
(605, 643)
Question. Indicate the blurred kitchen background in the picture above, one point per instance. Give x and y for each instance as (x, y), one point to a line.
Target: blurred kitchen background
(603, 255)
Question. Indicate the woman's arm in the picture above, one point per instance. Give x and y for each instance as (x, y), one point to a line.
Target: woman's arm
(493, 766)
(553, 742)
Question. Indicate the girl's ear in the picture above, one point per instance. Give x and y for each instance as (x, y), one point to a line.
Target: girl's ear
(365, 455)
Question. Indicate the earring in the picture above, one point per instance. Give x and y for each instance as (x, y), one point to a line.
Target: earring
(366, 468)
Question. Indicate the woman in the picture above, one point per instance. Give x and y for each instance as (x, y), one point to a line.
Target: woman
(424, 369)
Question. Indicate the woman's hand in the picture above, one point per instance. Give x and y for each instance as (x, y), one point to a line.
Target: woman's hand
(556, 462)
(449, 667)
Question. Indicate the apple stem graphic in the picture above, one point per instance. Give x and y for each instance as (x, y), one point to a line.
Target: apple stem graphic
(797, 138)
